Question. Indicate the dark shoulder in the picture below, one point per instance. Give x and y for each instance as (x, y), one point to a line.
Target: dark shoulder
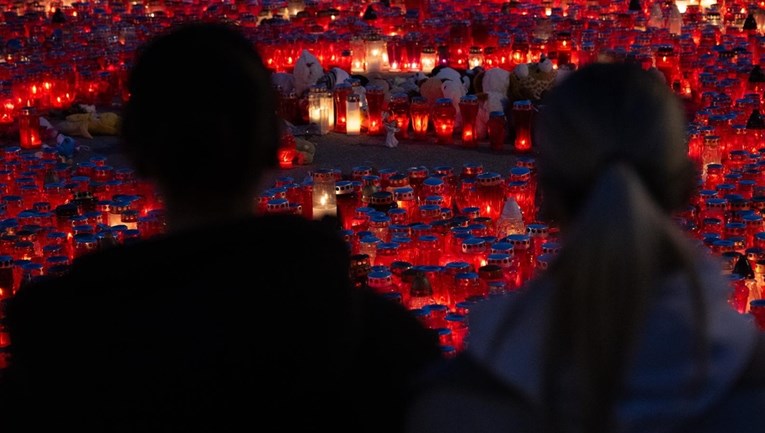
(460, 394)
(297, 227)
(467, 375)
(392, 327)
(40, 298)
(735, 411)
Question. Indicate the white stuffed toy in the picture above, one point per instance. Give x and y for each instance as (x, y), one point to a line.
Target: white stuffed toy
(451, 74)
(454, 90)
(307, 72)
(491, 87)
(495, 80)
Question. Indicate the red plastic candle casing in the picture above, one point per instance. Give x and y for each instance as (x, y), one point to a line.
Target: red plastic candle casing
(29, 128)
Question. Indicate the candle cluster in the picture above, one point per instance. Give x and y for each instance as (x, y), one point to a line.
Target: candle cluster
(472, 234)
(53, 212)
(437, 241)
(433, 239)
(700, 48)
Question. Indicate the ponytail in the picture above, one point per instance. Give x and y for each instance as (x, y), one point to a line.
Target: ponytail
(618, 245)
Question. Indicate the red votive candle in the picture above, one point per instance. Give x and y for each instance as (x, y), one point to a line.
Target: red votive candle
(29, 128)
(419, 109)
(444, 115)
(340, 95)
(469, 113)
(399, 109)
(522, 112)
(496, 129)
(375, 102)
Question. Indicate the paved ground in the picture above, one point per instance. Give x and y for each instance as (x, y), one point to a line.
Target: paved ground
(345, 152)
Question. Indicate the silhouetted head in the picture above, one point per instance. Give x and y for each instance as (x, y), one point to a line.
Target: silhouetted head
(201, 115)
(607, 115)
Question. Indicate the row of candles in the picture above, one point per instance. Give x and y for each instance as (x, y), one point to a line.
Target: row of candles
(346, 111)
(489, 34)
(85, 59)
(697, 64)
(50, 70)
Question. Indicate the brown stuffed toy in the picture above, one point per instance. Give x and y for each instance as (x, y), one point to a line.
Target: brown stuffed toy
(531, 80)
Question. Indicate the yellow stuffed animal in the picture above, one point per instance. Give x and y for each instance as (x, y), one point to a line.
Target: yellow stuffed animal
(89, 124)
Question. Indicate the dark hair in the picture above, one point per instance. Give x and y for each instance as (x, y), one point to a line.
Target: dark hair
(201, 113)
(613, 165)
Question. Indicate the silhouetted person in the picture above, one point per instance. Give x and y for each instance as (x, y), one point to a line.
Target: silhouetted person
(629, 329)
(58, 17)
(230, 321)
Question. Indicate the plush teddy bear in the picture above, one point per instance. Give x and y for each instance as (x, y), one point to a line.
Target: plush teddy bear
(531, 80)
(307, 72)
(432, 89)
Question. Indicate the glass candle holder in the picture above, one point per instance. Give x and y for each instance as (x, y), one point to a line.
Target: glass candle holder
(394, 47)
(399, 110)
(314, 104)
(428, 59)
(520, 51)
(522, 113)
(358, 53)
(287, 150)
(353, 114)
(469, 112)
(490, 194)
(412, 49)
(667, 63)
(711, 153)
(497, 131)
(475, 57)
(6, 276)
(348, 197)
(406, 199)
(444, 116)
(327, 111)
(419, 109)
(29, 128)
(374, 48)
(288, 106)
(563, 48)
(375, 101)
(7, 110)
(324, 194)
(340, 95)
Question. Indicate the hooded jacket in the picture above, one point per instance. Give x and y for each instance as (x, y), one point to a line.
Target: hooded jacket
(496, 384)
